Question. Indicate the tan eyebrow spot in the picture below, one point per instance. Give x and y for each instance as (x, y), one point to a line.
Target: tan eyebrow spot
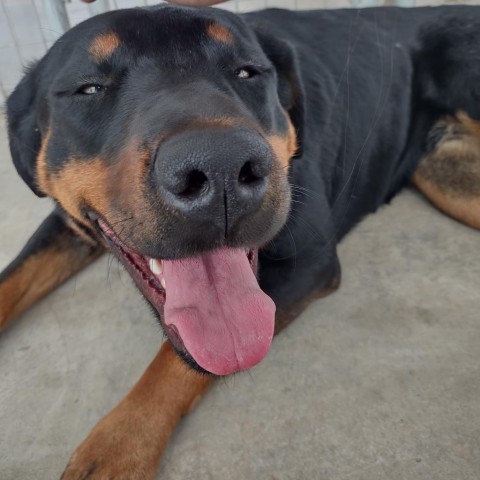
(219, 33)
(103, 46)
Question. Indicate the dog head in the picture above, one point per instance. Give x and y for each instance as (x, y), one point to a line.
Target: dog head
(168, 132)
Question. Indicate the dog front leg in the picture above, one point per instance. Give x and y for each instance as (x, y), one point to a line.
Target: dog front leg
(128, 442)
(53, 254)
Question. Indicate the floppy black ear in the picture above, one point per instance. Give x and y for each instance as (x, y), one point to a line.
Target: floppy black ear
(23, 129)
(290, 86)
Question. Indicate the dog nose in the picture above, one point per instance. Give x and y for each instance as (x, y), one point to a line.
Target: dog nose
(216, 176)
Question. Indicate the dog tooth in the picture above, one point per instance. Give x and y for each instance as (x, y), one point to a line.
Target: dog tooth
(162, 283)
(151, 264)
(155, 266)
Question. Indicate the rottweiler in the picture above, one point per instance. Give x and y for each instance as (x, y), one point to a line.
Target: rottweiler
(221, 158)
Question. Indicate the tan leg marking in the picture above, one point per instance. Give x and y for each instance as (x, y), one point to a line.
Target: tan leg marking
(129, 441)
(127, 444)
(37, 274)
(449, 175)
(33, 280)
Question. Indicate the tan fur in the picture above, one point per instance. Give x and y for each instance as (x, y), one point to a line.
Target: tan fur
(284, 147)
(464, 210)
(37, 276)
(103, 46)
(81, 233)
(449, 175)
(129, 441)
(219, 33)
(79, 182)
(472, 125)
(113, 187)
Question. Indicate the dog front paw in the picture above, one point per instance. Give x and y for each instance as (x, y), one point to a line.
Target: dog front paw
(118, 448)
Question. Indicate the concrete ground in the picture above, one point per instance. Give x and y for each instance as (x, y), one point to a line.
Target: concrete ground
(380, 381)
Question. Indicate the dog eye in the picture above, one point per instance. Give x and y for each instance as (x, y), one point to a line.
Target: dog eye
(90, 89)
(245, 72)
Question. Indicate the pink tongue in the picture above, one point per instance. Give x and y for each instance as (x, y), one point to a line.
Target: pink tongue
(223, 318)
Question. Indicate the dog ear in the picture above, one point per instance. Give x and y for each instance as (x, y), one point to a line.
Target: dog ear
(23, 126)
(290, 87)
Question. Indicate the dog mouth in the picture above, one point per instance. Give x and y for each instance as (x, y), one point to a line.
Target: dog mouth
(210, 306)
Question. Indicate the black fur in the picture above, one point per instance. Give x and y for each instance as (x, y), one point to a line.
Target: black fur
(362, 87)
(447, 64)
(23, 125)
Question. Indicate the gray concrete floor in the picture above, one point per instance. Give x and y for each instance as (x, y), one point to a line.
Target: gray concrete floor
(379, 381)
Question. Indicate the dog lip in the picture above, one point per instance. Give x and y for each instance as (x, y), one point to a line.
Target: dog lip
(136, 263)
(151, 288)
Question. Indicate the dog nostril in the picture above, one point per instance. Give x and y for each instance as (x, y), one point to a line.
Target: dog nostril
(247, 175)
(196, 183)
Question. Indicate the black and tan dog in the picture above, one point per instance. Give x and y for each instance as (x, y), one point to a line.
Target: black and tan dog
(208, 150)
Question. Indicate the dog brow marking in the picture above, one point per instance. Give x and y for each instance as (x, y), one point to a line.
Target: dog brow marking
(103, 46)
(219, 33)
